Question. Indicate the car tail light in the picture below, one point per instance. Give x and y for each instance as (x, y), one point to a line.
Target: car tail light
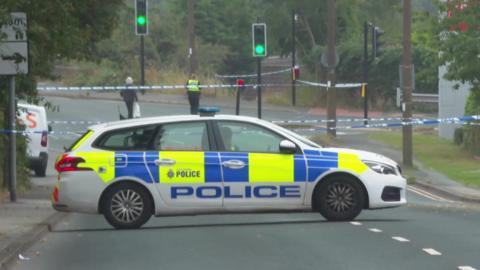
(67, 163)
(44, 140)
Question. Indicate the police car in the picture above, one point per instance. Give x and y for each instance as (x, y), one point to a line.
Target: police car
(199, 164)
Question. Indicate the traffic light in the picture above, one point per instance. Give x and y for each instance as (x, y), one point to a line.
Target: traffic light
(240, 83)
(377, 43)
(259, 39)
(141, 17)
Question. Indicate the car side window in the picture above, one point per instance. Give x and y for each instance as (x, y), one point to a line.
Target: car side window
(132, 139)
(244, 137)
(187, 136)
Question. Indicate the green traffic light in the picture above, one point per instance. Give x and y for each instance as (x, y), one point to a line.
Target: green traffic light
(141, 20)
(259, 49)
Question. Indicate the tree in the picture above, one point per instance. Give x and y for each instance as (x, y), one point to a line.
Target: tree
(460, 47)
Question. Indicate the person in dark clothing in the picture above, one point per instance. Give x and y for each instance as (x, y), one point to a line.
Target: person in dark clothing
(129, 96)
(193, 90)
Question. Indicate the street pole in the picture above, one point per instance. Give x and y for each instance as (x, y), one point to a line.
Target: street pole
(331, 93)
(259, 88)
(12, 184)
(407, 83)
(192, 55)
(142, 61)
(294, 79)
(237, 105)
(365, 71)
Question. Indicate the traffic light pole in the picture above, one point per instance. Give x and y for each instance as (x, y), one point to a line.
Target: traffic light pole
(142, 60)
(12, 183)
(365, 71)
(294, 79)
(259, 88)
(237, 105)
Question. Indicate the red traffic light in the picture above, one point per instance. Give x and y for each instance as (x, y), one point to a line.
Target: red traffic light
(240, 83)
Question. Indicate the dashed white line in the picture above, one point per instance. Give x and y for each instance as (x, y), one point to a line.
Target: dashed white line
(400, 239)
(432, 251)
(466, 268)
(375, 230)
(356, 223)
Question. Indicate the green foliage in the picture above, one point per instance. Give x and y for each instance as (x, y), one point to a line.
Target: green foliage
(461, 49)
(438, 154)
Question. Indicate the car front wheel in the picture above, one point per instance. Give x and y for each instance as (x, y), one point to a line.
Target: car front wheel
(127, 206)
(339, 198)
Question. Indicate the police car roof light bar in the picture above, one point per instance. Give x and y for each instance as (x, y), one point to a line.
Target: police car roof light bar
(208, 111)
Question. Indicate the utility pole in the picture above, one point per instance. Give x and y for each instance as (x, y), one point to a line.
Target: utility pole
(407, 83)
(366, 25)
(12, 184)
(331, 93)
(192, 53)
(294, 79)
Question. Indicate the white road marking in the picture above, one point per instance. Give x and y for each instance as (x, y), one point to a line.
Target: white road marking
(375, 230)
(466, 268)
(356, 223)
(432, 251)
(400, 239)
(428, 195)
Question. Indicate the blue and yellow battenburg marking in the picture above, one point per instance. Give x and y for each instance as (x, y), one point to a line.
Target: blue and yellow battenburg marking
(206, 167)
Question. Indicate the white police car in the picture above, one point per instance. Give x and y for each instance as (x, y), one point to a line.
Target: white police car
(176, 165)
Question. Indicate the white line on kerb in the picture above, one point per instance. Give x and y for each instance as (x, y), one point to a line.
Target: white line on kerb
(466, 268)
(375, 230)
(356, 223)
(400, 239)
(432, 251)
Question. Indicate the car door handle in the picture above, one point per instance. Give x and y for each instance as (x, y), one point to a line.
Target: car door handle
(233, 164)
(165, 162)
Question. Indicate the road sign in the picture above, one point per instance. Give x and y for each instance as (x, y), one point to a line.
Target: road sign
(14, 45)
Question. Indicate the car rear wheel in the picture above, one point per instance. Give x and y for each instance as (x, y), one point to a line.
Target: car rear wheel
(40, 168)
(339, 198)
(127, 206)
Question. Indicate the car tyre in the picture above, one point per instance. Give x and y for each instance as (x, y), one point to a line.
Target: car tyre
(127, 206)
(339, 198)
(41, 168)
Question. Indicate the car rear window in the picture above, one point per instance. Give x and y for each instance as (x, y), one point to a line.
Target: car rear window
(79, 141)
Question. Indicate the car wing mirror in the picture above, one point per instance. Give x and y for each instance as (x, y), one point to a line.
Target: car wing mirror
(287, 147)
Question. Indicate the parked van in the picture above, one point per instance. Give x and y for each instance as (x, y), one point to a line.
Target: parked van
(35, 120)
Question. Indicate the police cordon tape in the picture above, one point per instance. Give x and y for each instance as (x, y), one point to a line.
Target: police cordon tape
(463, 120)
(413, 120)
(180, 86)
(314, 121)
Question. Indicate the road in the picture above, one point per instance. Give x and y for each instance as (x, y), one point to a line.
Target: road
(430, 233)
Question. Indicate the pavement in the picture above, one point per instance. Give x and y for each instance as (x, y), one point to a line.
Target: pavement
(34, 236)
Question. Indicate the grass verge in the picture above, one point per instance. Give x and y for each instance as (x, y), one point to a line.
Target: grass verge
(437, 154)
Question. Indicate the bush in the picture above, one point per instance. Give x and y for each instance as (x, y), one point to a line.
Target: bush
(458, 136)
(471, 140)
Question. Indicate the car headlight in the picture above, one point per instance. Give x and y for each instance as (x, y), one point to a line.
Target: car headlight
(380, 168)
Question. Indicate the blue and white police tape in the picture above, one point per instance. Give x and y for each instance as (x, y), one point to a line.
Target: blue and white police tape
(384, 119)
(425, 122)
(181, 86)
(27, 132)
(64, 122)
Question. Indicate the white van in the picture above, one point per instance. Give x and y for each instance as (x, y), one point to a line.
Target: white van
(35, 120)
